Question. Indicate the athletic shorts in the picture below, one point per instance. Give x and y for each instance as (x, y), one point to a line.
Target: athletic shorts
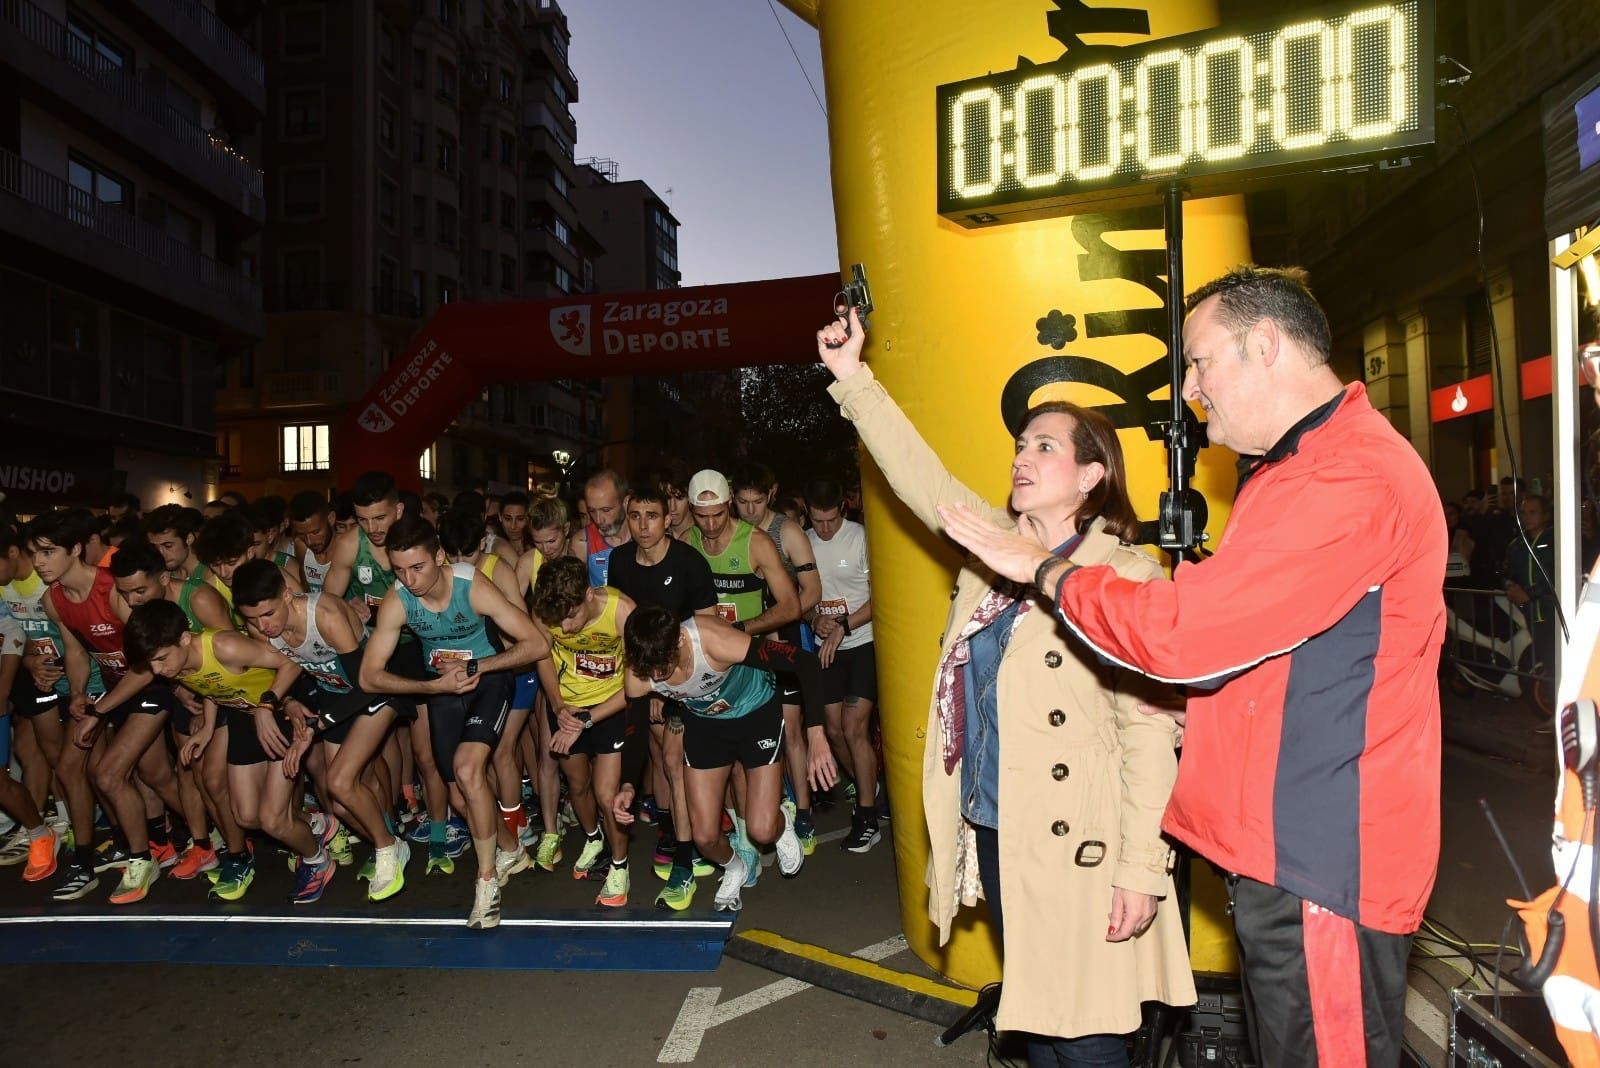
(244, 748)
(338, 712)
(527, 689)
(853, 673)
(406, 661)
(604, 737)
(754, 739)
(478, 716)
(28, 701)
(788, 687)
(153, 700)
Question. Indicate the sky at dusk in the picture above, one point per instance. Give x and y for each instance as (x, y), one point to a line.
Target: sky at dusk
(703, 98)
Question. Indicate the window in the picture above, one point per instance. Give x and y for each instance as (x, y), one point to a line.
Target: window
(530, 213)
(445, 79)
(386, 47)
(485, 204)
(386, 126)
(93, 184)
(305, 448)
(302, 33)
(559, 180)
(419, 142)
(508, 273)
(419, 69)
(558, 90)
(388, 270)
(486, 270)
(388, 198)
(507, 86)
(447, 12)
(428, 463)
(302, 192)
(508, 149)
(508, 211)
(447, 224)
(419, 216)
(302, 113)
(447, 289)
(90, 49)
(74, 349)
(302, 279)
(419, 285)
(446, 153)
(181, 226)
(558, 226)
(563, 279)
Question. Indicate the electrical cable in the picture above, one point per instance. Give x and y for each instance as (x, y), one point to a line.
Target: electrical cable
(1496, 375)
(784, 30)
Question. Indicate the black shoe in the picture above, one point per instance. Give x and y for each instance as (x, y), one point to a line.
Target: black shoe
(110, 856)
(75, 882)
(862, 837)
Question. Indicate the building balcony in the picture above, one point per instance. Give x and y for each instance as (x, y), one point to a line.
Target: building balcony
(44, 212)
(539, 239)
(393, 302)
(295, 389)
(198, 30)
(130, 106)
(304, 298)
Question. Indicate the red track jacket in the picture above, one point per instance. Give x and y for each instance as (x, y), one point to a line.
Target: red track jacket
(1310, 642)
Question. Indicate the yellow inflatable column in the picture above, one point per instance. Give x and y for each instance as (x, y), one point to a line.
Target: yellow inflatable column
(960, 312)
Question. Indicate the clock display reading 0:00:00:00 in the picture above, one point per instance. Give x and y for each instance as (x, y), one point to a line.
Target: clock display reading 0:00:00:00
(1318, 87)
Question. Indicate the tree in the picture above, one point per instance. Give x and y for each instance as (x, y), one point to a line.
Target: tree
(794, 427)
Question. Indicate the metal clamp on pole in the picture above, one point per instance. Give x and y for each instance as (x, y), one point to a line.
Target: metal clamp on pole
(1181, 526)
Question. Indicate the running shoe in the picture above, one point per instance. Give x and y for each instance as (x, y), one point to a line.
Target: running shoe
(138, 876)
(61, 826)
(791, 854)
(75, 882)
(338, 845)
(508, 864)
(666, 849)
(647, 810)
(747, 853)
(702, 866)
(164, 853)
(849, 793)
(420, 829)
(485, 905)
(16, 849)
(102, 822)
(370, 868)
(568, 817)
(733, 876)
(440, 860)
(549, 852)
(806, 831)
(527, 837)
(862, 837)
(614, 894)
(7, 824)
(312, 878)
(589, 856)
(388, 876)
(199, 857)
(41, 857)
(457, 839)
(678, 894)
(108, 856)
(233, 878)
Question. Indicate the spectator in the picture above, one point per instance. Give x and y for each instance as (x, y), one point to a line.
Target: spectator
(1529, 574)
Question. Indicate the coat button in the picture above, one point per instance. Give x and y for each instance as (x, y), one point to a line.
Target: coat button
(1052, 659)
(1057, 717)
(1059, 828)
(1059, 772)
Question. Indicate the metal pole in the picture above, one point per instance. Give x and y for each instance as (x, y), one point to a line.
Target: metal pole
(1568, 488)
(1177, 527)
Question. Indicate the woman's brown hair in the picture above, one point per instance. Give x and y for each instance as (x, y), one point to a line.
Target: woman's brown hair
(1094, 441)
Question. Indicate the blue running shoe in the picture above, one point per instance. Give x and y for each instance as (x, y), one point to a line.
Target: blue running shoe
(457, 839)
(418, 832)
(311, 879)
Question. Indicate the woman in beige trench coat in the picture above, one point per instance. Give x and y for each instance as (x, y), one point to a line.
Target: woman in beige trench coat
(1043, 782)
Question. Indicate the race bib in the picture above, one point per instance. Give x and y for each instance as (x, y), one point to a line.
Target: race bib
(45, 647)
(329, 681)
(115, 662)
(596, 666)
(373, 602)
(715, 708)
(832, 608)
(727, 612)
(439, 659)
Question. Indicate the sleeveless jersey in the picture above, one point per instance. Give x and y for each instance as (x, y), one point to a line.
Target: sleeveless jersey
(368, 578)
(538, 562)
(25, 600)
(227, 689)
(281, 555)
(456, 633)
(730, 694)
(599, 555)
(490, 562)
(774, 530)
(314, 655)
(95, 624)
(589, 663)
(740, 591)
(314, 570)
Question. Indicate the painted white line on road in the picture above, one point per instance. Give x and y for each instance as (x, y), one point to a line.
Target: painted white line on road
(701, 1012)
(1428, 1018)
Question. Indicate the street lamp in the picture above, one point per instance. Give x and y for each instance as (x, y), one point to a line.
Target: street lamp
(563, 460)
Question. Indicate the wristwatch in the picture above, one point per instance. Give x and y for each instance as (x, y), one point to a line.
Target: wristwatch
(584, 717)
(271, 700)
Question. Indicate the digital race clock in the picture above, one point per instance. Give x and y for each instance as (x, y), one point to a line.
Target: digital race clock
(1334, 87)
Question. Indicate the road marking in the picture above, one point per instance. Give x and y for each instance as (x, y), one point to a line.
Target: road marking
(701, 1012)
(1426, 1015)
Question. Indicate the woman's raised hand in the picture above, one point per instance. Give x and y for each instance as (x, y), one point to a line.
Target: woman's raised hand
(844, 360)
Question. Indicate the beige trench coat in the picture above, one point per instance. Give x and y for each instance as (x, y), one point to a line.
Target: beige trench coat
(1079, 764)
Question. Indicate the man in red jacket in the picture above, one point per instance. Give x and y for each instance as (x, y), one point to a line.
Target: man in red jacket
(1310, 644)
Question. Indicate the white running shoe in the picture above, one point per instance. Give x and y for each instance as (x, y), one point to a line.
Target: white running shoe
(485, 905)
(389, 870)
(508, 864)
(791, 854)
(733, 874)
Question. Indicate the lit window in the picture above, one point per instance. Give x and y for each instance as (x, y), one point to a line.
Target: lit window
(428, 462)
(305, 448)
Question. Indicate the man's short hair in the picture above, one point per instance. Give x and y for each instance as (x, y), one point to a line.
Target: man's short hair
(124, 530)
(125, 500)
(560, 588)
(60, 529)
(468, 501)
(152, 627)
(674, 474)
(137, 556)
(344, 509)
(372, 487)
(751, 475)
(224, 537)
(176, 518)
(256, 581)
(648, 491)
(259, 516)
(461, 532)
(824, 495)
(547, 513)
(599, 478)
(308, 504)
(411, 531)
(650, 640)
(1248, 294)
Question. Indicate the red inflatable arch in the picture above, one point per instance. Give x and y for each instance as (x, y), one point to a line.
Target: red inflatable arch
(466, 347)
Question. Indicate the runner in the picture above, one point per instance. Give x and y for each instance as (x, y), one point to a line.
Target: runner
(324, 636)
(268, 736)
(344, 514)
(469, 695)
(659, 570)
(589, 725)
(171, 531)
(606, 526)
(754, 491)
(514, 523)
(674, 481)
(843, 622)
(269, 522)
(311, 522)
(34, 841)
(724, 678)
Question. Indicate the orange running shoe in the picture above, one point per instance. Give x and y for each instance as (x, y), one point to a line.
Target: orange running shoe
(41, 858)
(164, 854)
(196, 859)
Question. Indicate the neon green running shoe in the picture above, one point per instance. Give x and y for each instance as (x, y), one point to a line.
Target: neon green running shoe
(367, 869)
(589, 856)
(678, 894)
(439, 860)
(233, 879)
(339, 847)
(548, 855)
(614, 894)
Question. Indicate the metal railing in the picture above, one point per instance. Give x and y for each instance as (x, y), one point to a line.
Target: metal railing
(1492, 643)
(125, 86)
(244, 56)
(115, 223)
